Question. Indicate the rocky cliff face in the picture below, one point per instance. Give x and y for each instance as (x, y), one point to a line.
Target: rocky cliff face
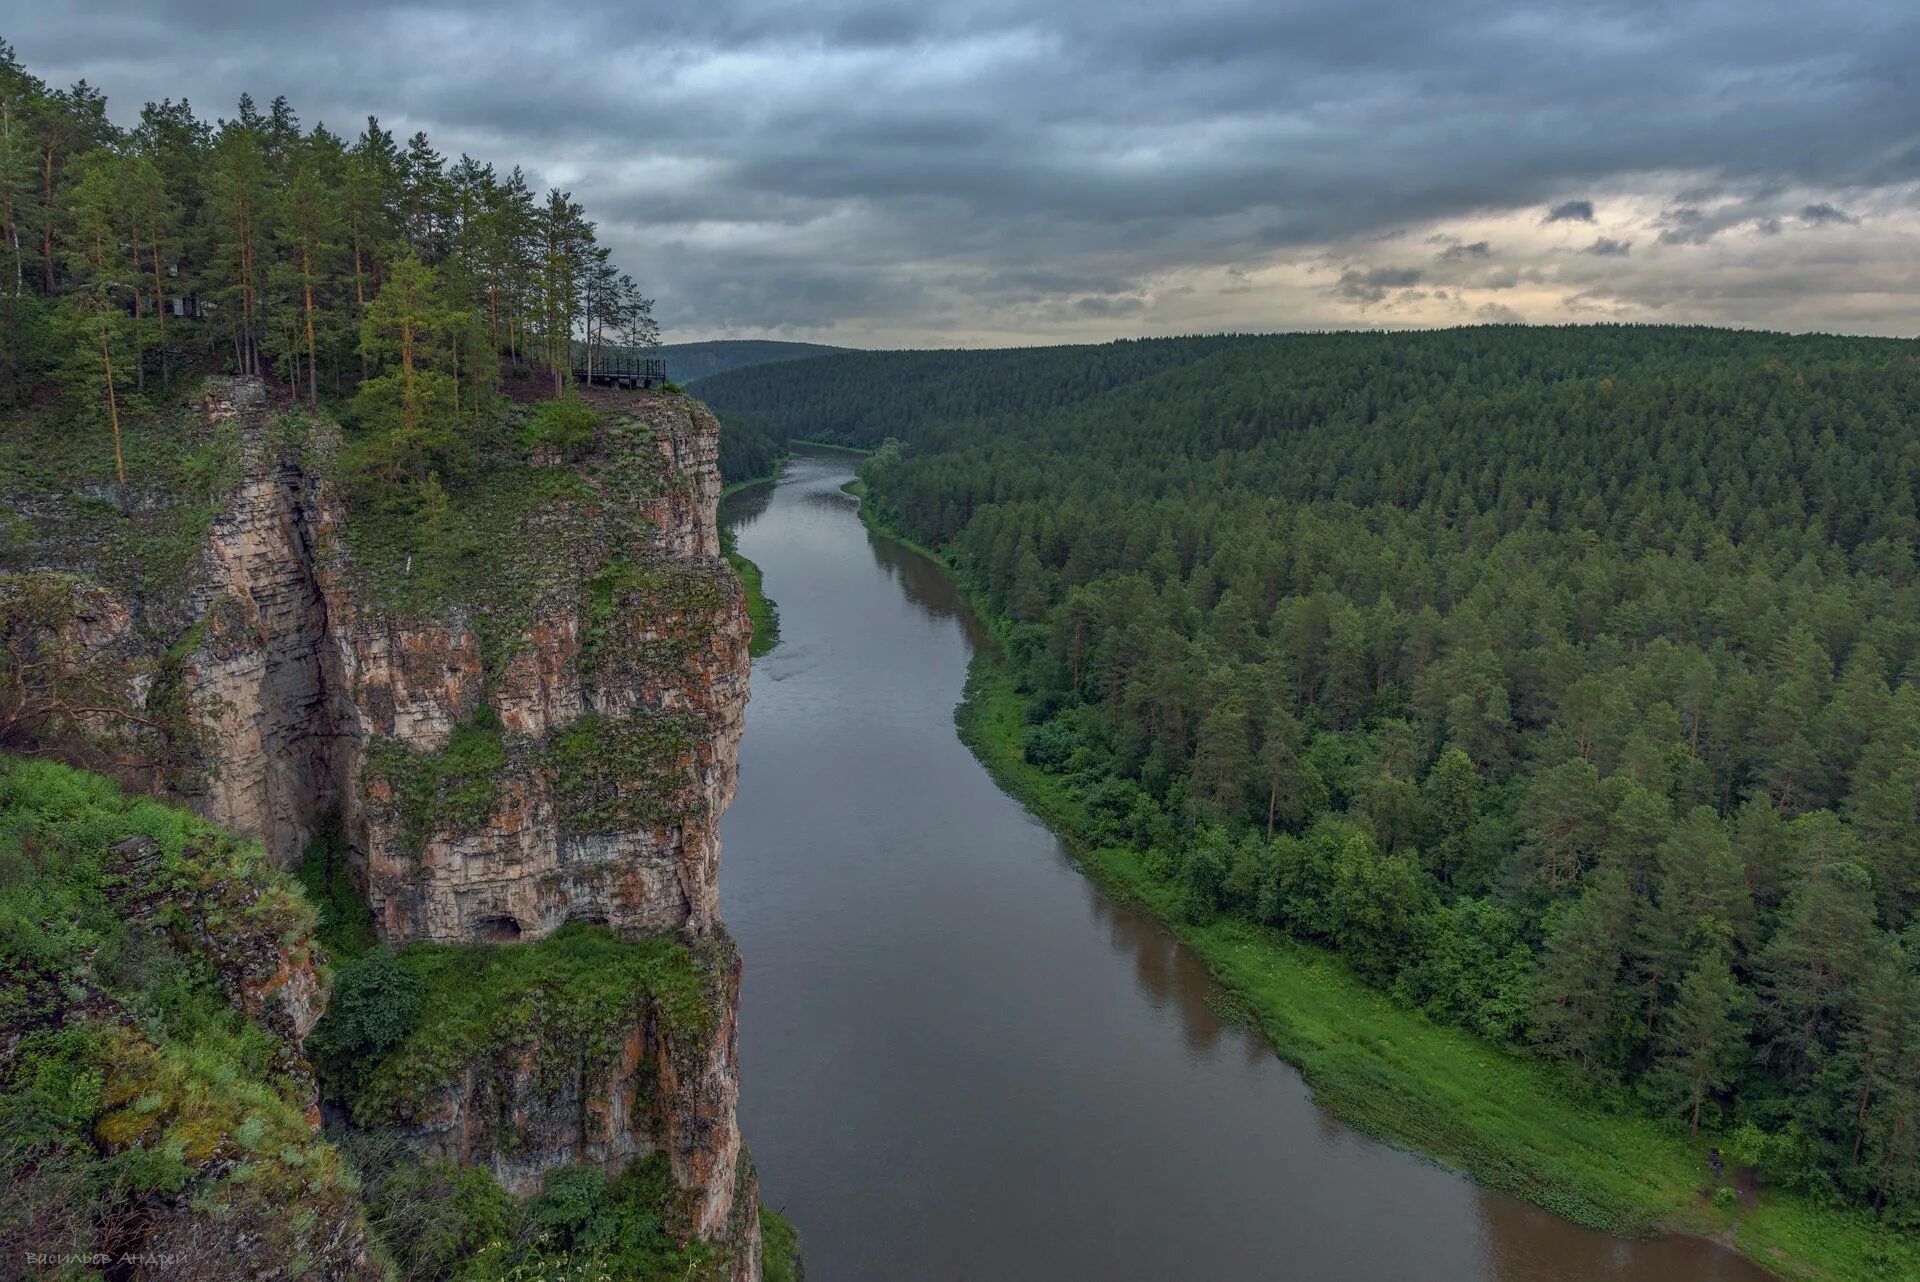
(264, 679)
(618, 708)
(562, 1082)
(553, 744)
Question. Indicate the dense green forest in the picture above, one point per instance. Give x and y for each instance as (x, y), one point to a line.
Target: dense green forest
(368, 271)
(861, 398)
(1563, 680)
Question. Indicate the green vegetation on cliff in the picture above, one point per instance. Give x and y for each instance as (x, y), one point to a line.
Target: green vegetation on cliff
(456, 1224)
(152, 1092)
(449, 791)
(780, 1248)
(408, 1033)
(412, 1025)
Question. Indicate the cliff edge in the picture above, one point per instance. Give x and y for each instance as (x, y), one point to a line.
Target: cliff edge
(520, 728)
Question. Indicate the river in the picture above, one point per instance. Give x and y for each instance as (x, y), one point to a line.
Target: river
(960, 1060)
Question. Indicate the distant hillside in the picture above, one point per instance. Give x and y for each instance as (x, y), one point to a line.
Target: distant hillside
(861, 398)
(688, 361)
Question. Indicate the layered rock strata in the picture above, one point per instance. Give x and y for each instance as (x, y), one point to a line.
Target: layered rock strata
(554, 746)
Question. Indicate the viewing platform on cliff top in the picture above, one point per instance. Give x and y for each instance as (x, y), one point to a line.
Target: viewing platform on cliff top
(618, 367)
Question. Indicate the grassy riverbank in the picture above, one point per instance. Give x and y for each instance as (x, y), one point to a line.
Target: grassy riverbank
(760, 607)
(826, 445)
(1505, 1120)
(779, 1248)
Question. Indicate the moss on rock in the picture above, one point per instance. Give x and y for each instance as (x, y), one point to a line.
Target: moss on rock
(564, 1005)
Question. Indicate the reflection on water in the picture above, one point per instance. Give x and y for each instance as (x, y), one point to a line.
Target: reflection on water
(962, 1061)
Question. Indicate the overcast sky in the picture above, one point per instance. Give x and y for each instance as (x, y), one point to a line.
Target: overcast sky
(892, 173)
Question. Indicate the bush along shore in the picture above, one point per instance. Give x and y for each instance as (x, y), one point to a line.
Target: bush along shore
(1504, 1118)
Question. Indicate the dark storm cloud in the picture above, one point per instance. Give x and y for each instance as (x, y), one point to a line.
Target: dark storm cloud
(892, 171)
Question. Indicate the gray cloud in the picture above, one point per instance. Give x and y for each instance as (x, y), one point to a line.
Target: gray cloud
(1607, 247)
(1824, 213)
(1372, 285)
(884, 172)
(1572, 211)
(1688, 225)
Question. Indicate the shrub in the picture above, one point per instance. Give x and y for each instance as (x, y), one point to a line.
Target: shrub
(568, 424)
(375, 1005)
(346, 923)
(1050, 744)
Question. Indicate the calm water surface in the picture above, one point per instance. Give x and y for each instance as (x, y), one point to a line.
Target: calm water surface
(960, 1060)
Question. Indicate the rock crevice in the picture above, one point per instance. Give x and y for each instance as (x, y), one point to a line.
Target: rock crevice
(265, 678)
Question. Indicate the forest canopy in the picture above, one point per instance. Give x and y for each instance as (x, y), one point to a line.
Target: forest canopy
(1565, 681)
(363, 269)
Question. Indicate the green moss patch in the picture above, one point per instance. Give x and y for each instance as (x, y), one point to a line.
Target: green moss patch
(325, 874)
(439, 1220)
(615, 773)
(780, 1247)
(651, 616)
(449, 791)
(565, 1004)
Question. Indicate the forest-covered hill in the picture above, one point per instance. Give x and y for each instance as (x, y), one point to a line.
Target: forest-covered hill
(688, 361)
(1563, 680)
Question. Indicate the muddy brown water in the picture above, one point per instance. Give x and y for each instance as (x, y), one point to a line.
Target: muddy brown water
(960, 1060)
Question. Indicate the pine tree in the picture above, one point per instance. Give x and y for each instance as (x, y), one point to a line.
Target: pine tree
(1701, 1039)
(93, 319)
(308, 233)
(238, 199)
(412, 410)
(1450, 807)
(1576, 1005)
(1813, 962)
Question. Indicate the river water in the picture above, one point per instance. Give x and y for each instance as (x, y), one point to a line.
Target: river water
(960, 1060)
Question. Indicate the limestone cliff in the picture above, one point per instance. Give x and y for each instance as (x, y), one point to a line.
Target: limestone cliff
(618, 700)
(263, 680)
(535, 728)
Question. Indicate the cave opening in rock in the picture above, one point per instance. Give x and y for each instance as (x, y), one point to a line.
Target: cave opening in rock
(496, 930)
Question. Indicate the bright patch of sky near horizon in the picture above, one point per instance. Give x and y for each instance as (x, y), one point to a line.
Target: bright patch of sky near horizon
(883, 173)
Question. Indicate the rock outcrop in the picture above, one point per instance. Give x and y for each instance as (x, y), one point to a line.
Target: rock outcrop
(552, 742)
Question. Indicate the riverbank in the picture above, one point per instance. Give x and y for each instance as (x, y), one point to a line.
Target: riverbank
(760, 607)
(1502, 1119)
(828, 445)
